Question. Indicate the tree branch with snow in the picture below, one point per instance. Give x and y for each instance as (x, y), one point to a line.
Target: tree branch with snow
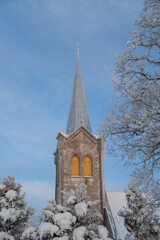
(132, 128)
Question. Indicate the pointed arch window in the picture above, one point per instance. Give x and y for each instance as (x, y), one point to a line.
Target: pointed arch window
(75, 166)
(87, 166)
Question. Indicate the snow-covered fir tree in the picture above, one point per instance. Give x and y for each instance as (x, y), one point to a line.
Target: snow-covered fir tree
(78, 221)
(14, 212)
(141, 221)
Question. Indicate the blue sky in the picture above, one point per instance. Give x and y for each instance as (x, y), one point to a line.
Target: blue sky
(38, 41)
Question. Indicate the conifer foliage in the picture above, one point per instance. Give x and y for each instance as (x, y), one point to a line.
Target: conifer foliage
(14, 212)
(141, 221)
(78, 221)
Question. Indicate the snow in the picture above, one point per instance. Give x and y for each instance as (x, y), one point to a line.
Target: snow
(3, 202)
(48, 213)
(9, 214)
(65, 224)
(73, 216)
(60, 207)
(92, 204)
(81, 209)
(156, 228)
(57, 217)
(69, 216)
(78, 233)
(5, 236)
(102, 232)
(29, 232)
(71, 200)
(47, 228)
(61, 238)
(157, 214)
(11, 195)
(129, 211)
(64, 220)
(65, 135)
(117, 201)
(2, 187)
(96, 136)
(111, 221)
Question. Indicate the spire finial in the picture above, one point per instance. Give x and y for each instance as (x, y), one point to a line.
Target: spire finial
(77, 49)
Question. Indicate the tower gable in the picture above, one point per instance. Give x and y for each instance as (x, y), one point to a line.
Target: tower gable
(83, 131)
(92, 137)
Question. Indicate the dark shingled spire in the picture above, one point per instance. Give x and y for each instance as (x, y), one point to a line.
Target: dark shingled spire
(78, 113)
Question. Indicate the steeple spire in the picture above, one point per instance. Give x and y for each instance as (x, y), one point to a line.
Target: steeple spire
(77, 50)
(78, 113)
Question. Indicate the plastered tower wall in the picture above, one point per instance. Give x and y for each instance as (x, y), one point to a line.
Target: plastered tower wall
(81, 142)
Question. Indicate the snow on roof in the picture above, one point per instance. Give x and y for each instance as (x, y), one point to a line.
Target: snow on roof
(116, 202)
(96, 136)
(65, 135)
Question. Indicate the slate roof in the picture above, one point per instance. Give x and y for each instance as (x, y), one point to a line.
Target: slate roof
(78, 113)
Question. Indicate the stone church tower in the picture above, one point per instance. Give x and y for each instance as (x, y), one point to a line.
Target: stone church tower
(79, 153)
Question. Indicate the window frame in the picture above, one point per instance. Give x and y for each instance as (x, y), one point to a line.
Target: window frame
(91, 170)
(75, 155)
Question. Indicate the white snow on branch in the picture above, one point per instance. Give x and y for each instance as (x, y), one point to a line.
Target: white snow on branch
(5, 236)
(11, 195)
(81, 209)
(157, 214)
(71, 200)
(47, 228)
(29, 232)
(79, 233)
(64, 220)
(61, 238)
(9, 214)
(102, 232)
(2, 187)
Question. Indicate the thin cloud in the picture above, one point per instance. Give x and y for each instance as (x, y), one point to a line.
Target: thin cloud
(38, 193)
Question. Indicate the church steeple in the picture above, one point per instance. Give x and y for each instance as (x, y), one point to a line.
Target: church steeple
(78, 113)
(79, 153)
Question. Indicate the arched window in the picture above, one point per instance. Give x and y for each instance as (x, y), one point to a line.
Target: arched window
(75, 166)
(87, 166)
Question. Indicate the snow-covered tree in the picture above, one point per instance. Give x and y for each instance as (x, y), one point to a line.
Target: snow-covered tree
(79, 220)
(14, 212)
(133, 126)
(84, 210)
(142, 221)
